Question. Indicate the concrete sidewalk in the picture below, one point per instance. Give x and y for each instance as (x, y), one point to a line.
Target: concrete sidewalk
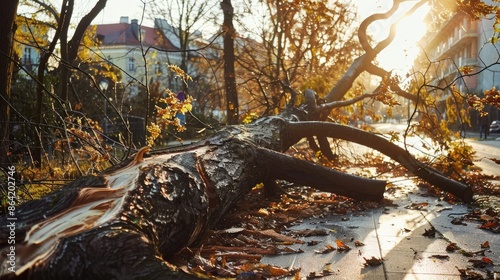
(395, 235)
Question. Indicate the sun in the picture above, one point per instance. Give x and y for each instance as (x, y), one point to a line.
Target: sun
(400, 55)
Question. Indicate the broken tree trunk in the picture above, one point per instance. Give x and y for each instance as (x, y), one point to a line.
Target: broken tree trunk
(125, 222)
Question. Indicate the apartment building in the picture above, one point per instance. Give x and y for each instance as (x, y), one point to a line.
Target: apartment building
(140, 52)
(29, 37)
(463, 44)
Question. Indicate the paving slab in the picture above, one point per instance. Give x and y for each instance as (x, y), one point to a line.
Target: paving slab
(396, 236)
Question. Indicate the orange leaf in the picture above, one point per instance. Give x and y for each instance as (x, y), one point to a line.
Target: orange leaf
(487, 260)
(341, 246)
(489, 225)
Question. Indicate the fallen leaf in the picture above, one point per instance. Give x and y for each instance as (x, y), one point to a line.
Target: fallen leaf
(482, 263)
(495, 160)
(310, 232)
(373, 261)
(274, 271)
(358, 243)
(491, 225)
(341, 246)
(326, 250)
(430, 232)
(452, 247)
(487, 260)
(487, 218)
(417, 206)
(263, 212)
(277, 236)
(469, 274)
(458, 221)
(441, 257)
(485, 245)
(313, 242)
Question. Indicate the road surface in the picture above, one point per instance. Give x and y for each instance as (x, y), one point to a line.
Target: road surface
(485, 149)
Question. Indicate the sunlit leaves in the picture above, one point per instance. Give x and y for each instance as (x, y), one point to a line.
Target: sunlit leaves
(394, 136)
(178, 71)
(491, 97)
(476, 9)
(154, 131)
(168, 109)
(466, 70)
(385, 94)
(250, 117)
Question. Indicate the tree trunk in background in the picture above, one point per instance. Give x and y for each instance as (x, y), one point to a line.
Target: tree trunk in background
(232, 104)
(7, 29)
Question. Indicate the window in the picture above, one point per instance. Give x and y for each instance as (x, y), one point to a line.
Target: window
(158, 69)
(27, 56)
(131, 65)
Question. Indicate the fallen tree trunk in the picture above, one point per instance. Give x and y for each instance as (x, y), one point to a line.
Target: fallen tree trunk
(125, 222)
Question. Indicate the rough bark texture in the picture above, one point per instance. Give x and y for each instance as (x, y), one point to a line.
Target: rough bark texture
(7, 28)
(232, 104)
(125, 222)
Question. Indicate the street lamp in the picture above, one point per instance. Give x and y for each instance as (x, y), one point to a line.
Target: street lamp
(103, 86)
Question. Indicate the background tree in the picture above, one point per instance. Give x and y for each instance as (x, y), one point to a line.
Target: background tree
(59, 22)
(7, 30)
(232, 104)
(299, 43)
(181, 22)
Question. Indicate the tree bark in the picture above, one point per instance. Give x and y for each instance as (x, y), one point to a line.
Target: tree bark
(400, 155)
(7, 29)
(232, 104)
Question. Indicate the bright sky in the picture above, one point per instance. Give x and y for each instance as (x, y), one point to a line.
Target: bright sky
(116, 8)
(400, 55)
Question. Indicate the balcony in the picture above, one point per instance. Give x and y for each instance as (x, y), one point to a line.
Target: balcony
(450, 70)
(454, 43)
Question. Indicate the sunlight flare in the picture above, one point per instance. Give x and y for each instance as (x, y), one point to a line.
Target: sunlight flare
(400, 55)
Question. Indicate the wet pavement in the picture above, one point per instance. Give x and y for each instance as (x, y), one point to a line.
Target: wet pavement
(395, 235)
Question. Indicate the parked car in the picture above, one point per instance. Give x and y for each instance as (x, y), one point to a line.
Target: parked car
(495, 126)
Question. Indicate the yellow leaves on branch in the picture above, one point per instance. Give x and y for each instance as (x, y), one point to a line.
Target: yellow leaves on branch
(171, 106)
(385, 94)
(466, 70)
(477, 9)
(180, 73)
(491, 97)
(167, 115)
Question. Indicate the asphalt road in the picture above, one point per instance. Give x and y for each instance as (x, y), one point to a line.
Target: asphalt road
(485, 149)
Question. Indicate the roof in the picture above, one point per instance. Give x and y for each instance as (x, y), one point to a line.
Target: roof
(128, 34)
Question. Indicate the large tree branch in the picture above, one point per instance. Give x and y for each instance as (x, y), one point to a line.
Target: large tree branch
(363, 27)
(337, 104)
(378, 71)
(297, 171)
(361, 63)
(402, 156)
(84, 23)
